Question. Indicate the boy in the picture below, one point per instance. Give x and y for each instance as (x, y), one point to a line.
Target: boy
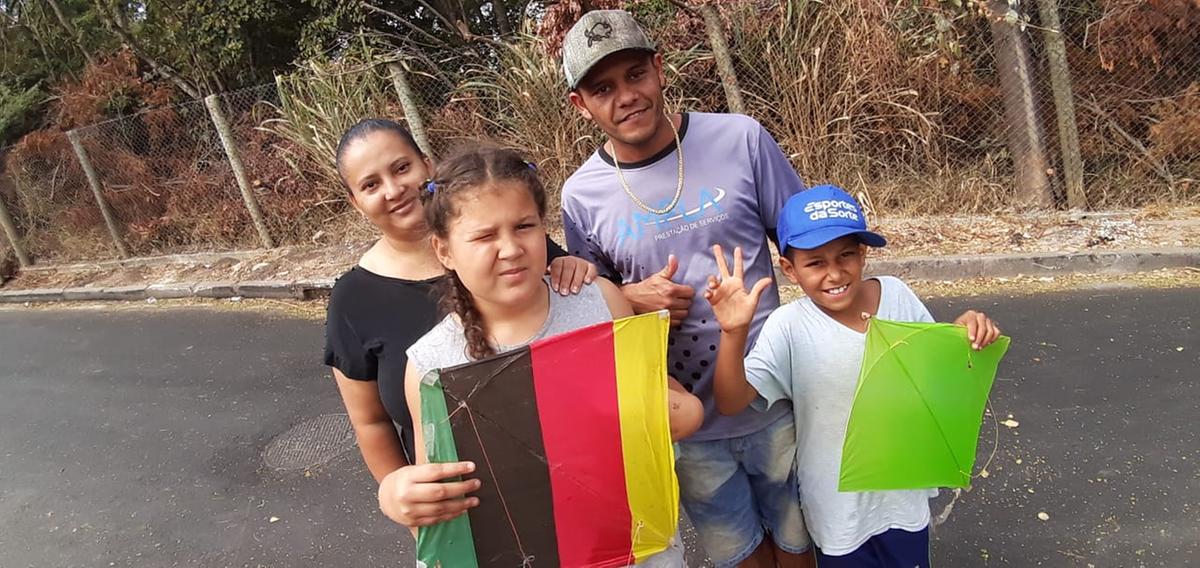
(809, 353)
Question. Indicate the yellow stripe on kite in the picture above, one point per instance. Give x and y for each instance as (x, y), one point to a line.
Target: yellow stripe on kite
(640, 345)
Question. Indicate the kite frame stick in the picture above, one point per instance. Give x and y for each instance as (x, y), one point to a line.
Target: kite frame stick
(527, 559)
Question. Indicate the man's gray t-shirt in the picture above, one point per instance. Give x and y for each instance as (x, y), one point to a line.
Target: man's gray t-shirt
(736, 181)
(808, 359)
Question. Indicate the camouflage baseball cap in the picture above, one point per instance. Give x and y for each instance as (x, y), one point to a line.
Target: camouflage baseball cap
(597, 35)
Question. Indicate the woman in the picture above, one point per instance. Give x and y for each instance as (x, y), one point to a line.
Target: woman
(388, 301)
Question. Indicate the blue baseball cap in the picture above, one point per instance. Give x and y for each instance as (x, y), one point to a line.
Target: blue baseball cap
(822, 214)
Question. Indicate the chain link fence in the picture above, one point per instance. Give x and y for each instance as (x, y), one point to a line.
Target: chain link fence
(968, 108)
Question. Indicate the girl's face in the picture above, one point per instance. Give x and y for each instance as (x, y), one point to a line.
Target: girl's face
(385, 175)
(832, 275)
(497, 245)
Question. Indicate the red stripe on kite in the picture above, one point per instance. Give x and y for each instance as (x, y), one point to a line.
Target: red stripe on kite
(581, 431)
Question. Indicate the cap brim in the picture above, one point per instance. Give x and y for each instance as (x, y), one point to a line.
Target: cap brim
(821, 237)
(596, 61)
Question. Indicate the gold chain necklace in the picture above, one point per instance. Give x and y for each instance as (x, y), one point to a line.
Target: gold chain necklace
(678, 187)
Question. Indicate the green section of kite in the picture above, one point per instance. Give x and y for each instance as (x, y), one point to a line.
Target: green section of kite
(448, 544)
(917, 408)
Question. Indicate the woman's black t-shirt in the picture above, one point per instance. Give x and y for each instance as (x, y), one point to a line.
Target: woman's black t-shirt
(370, 323)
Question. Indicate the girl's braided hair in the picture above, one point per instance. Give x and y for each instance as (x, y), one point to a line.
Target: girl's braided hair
(470, 169)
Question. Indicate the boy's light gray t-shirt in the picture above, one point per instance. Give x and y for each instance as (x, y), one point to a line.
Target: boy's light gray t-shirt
(736, 181)
(806, 357)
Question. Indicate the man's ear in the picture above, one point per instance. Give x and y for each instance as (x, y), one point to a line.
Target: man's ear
(658, 68)
(442, 249)
(788, 268)
(577, 102)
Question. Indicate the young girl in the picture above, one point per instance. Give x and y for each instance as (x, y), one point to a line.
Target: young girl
(486, 212)
(809, 353)
(383, 305)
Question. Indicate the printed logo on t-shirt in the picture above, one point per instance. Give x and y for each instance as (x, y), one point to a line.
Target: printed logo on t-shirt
(712, 201)
(688, 215)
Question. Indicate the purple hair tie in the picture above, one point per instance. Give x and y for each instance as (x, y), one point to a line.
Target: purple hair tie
(531, 165)
(430, 186)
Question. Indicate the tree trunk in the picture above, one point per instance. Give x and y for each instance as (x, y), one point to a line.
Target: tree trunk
(71, 31)
(412, 111)
(1020, 110)
(1064, 104)
(500, 7)
(716, 40)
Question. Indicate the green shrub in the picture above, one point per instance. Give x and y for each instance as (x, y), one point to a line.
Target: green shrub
(20, 111)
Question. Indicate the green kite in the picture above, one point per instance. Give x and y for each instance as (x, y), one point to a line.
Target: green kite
(917, 408)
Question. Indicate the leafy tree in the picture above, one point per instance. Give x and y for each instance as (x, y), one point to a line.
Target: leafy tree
(207, 47)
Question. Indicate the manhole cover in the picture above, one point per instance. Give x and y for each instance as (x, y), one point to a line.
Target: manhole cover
(311, 443)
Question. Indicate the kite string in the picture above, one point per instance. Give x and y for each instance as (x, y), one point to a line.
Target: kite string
(995, 438)
(527, 560)
(633, 546)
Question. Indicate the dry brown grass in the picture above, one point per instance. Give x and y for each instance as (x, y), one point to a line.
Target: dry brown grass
(520, 101)
(896, 101)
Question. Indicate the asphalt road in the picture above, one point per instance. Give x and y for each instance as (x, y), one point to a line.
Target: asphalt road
(137, 438)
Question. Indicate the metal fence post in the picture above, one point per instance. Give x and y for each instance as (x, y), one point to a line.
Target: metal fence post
(716, 39)
(1064, 104)
(239, 173)
(93, 180)
(412, 113)
(10, 230)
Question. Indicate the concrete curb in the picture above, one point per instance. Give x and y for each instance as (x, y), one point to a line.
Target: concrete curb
(1041, 264)
(915, 267)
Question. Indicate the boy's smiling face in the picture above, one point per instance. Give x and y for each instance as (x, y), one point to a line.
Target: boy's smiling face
(832, 274)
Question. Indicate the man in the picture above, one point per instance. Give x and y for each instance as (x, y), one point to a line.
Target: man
(645, 208)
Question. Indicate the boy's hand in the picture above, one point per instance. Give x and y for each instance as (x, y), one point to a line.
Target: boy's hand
(732, 305)
(981, 330)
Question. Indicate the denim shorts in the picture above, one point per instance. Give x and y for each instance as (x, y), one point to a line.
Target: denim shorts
(737, 490)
